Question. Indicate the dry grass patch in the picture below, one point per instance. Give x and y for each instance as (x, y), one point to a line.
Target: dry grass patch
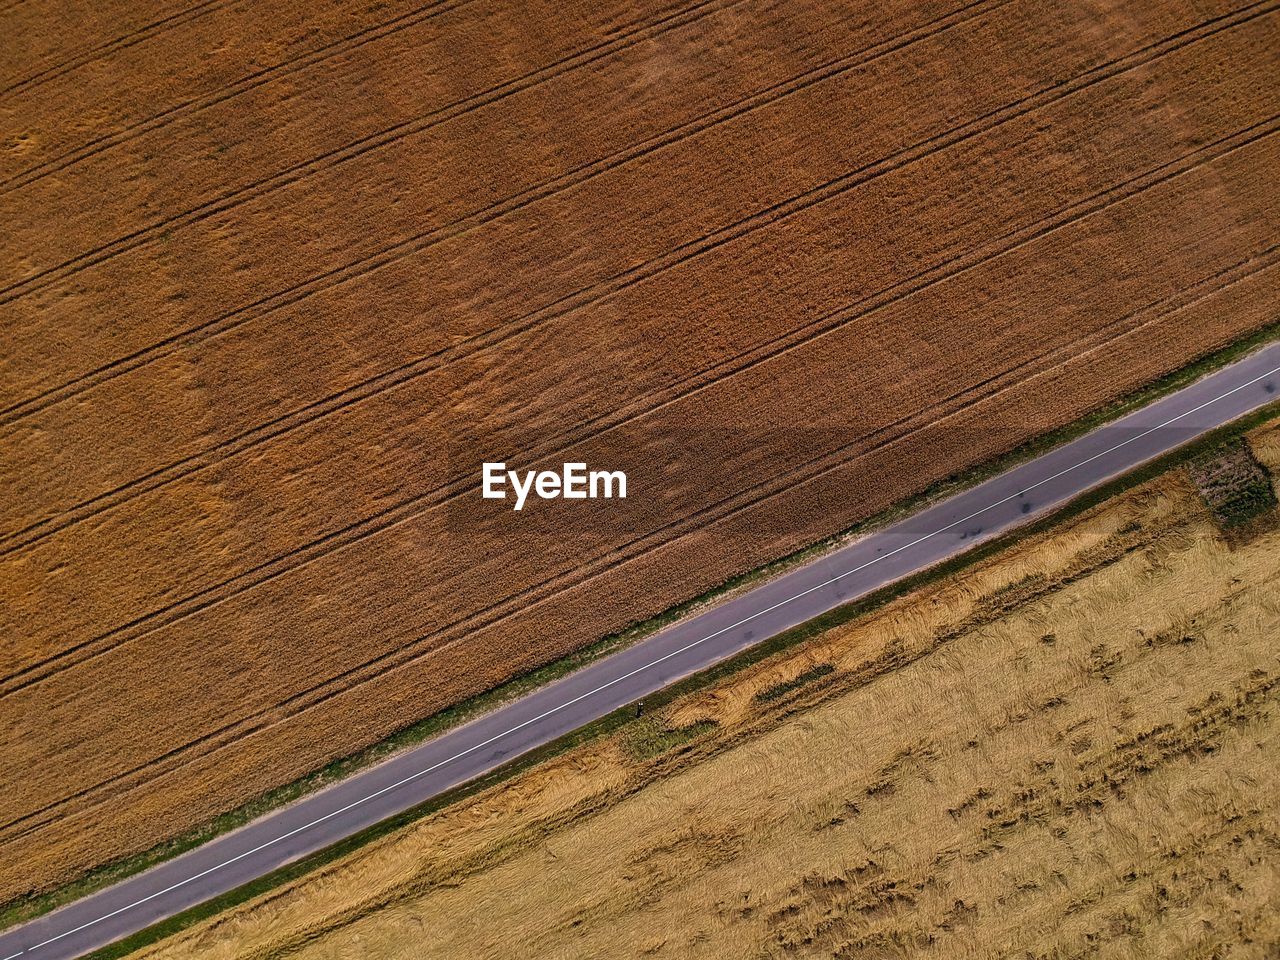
(1068, 750)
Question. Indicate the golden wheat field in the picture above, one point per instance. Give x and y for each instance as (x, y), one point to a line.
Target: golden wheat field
(275, 280)
(1067, 750)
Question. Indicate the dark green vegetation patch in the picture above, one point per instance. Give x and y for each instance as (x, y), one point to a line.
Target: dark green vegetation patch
(650, 737)
(1233, 484)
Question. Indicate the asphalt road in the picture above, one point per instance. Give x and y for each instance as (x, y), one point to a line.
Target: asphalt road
(921, 540)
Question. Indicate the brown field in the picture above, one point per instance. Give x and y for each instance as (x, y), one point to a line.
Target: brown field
(275, 284)
(1067, 750)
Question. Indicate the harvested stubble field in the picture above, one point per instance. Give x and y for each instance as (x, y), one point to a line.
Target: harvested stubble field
(273, 293)
(1067, 750)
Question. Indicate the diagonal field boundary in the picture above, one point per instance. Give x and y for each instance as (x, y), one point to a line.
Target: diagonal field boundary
(614, 681)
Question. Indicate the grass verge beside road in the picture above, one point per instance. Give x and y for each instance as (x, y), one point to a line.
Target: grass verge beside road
(25, 909)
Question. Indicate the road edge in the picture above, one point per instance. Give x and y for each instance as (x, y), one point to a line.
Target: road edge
(20, 911)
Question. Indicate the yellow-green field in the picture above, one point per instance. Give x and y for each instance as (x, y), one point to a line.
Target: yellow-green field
(1067, 750)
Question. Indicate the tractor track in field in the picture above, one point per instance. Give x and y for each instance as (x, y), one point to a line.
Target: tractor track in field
(33, 533)
(605, 562)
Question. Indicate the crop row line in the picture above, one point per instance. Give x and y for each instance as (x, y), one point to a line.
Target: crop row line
(222, 94)
(355, 270)
(123, 42)
(652, 26)
(638, 407)
(439, 640)
(147, 31)
(404, 372)
(1115, 195)
(351, 151)
(238, 316)
(895, 433)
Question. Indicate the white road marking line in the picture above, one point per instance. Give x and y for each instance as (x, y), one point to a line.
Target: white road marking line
(640, 669)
